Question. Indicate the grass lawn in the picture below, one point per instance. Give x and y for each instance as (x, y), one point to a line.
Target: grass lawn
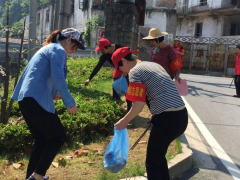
(89, 166)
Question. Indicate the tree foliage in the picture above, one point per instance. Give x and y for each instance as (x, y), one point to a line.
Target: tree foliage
(17, 8)
(92, 26)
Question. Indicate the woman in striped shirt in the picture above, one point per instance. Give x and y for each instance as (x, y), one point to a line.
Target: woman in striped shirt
(169, 115)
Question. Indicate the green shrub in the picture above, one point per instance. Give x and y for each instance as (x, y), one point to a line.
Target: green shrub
(96, 109)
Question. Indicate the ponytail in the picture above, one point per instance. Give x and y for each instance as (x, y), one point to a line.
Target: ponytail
(52, 38)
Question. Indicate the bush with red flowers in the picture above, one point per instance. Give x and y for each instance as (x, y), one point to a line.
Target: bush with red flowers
(96, 109)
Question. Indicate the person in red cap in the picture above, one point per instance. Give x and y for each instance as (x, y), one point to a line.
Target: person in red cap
(169, 115)
(108, 49)
(237, 74)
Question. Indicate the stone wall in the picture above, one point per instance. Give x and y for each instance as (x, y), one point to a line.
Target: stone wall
(121, 25)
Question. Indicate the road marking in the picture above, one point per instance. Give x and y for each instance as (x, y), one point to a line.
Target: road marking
(222, 155)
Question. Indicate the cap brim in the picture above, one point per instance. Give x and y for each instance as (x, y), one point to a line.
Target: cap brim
(117, 73)
(81, 46)
(98, 49)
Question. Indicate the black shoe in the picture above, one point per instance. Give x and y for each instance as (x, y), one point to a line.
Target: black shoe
(32, 178)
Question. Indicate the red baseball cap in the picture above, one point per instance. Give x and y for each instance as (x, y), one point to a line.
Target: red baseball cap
(117, 56)
(102, 43)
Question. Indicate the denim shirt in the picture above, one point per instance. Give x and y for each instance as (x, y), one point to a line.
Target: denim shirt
(44, 76)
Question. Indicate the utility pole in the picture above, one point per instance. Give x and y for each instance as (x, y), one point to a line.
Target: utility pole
(32, 28)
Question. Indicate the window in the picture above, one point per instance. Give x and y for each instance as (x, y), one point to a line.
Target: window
(202, 2)
(83, 4)
(47, 15)
(233, 29)
(198, 32)
(234, 2)
(38, 18)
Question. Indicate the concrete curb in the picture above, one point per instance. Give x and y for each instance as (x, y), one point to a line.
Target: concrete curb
(178, 165)
(182, 162)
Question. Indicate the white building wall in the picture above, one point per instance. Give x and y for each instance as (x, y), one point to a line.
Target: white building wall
(156, 20)
(215, 3)
(210, 3)
(77, 20)
(149, 3)
(43, 29)
(180, 3)
(26, 33)
(212, 27)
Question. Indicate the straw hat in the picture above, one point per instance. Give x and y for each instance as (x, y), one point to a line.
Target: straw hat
(155, 33)
(176, 39)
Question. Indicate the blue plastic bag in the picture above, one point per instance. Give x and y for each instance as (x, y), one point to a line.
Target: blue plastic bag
(120, 86)
(116, 155)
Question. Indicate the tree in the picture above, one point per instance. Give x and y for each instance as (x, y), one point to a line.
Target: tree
(15, 11)
(17, 8)
(20, 53)
(92, 26)
(3, 118)
(5, 113)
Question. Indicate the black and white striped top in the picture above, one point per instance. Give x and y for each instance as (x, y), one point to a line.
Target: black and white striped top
(160, 89)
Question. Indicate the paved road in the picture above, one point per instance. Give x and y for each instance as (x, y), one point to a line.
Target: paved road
(211, 99)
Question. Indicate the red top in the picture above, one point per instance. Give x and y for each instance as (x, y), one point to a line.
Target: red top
(179, 48)
(237, 66)
(165, 57)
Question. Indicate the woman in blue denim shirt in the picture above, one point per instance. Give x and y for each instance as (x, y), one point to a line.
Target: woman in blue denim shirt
(44, 80)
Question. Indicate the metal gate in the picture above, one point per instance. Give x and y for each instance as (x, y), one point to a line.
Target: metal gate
(209, 55)
(186, 57)
(217, 57)
(199, 60)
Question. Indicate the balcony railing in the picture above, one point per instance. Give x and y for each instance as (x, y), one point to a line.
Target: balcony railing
(203, 6)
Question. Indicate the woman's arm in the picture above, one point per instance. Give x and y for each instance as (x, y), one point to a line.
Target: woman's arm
(181, 51)
(57, 62)
(100, 63)
(134, 111)
(172, 57)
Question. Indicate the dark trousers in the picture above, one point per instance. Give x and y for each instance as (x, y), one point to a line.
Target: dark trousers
(237, 84)
(116, 96)
(48, 133)
(167, 126)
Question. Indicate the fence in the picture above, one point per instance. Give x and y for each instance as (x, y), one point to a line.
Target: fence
(209, 55)
(204, 5)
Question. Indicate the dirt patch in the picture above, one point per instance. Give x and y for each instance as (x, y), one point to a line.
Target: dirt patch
(90, 165)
